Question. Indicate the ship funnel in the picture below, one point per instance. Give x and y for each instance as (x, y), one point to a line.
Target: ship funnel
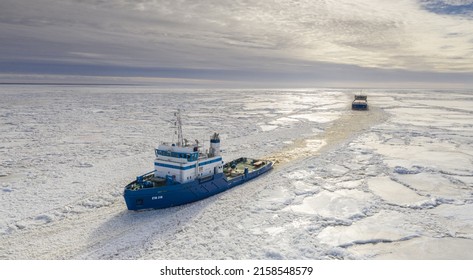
(214, 145)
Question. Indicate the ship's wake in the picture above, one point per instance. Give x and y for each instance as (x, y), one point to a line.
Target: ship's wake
(349, 125)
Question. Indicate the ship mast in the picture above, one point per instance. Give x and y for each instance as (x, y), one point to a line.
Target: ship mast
(180, 139)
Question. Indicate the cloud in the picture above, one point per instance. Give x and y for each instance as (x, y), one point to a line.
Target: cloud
(235, 37)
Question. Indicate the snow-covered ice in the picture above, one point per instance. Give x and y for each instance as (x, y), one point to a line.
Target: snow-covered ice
(393, 192)
(394, 182)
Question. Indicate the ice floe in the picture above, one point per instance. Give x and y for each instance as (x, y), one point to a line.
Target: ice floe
(394, 182)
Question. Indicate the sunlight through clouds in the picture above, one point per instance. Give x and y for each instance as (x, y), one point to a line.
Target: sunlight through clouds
(426, 36)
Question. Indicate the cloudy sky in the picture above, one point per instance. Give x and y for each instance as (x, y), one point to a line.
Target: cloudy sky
(236, 43)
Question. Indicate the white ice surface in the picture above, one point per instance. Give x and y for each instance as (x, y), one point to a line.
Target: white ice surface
(394, 193)
(341, 204)
(395, 182)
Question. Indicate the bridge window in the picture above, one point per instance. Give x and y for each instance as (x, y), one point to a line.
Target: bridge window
(189, 157)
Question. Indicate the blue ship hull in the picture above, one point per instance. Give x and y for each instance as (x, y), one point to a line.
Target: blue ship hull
(170, 195)
(359, 106)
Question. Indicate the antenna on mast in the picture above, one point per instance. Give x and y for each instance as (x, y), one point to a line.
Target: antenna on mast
(180, 139)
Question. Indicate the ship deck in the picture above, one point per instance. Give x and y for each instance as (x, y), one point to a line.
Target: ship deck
(237, 167)
(231, 170)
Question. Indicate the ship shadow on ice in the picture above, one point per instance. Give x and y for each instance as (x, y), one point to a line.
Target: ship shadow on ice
(127, 234)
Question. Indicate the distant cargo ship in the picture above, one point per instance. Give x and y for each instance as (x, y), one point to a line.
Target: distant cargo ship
(183, 174)
(360, 102)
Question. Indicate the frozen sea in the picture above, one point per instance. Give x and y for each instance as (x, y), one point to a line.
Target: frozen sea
(394, 182)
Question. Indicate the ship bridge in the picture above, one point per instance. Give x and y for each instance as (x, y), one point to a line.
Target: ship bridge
(189, 156)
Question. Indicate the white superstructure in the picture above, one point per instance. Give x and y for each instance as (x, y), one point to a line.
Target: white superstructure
(183, 162)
